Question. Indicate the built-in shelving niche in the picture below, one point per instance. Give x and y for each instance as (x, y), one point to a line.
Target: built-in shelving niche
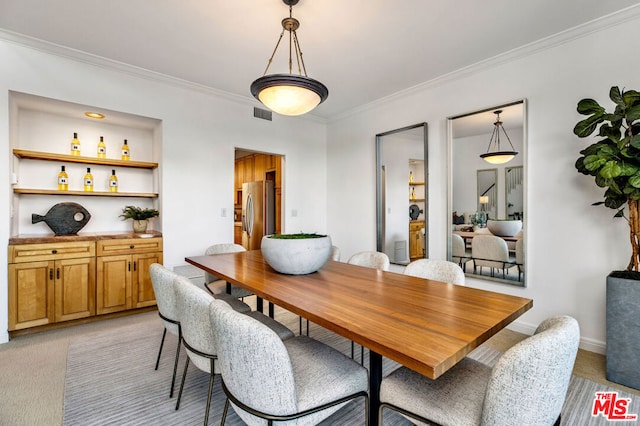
(40, 135)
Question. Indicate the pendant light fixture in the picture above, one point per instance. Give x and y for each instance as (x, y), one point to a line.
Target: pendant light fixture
(289, 94)
(495, 155)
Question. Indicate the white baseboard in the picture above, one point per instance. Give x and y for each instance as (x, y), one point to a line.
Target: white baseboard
(587, 344)
(4, 337)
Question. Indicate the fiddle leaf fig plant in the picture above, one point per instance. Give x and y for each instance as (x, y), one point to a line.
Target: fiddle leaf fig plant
(614, 161)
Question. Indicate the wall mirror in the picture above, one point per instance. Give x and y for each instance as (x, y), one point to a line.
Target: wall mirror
(487, 208)
(402, 199)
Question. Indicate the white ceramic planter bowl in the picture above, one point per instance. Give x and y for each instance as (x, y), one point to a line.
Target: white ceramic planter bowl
(296, 256)
(504, 228)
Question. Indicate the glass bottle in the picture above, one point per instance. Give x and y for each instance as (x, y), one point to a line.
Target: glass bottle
(410, 177)
(102, 148)
(113, 182)
(63, 180)
(88, 181)
(75, 145)
(126, 155)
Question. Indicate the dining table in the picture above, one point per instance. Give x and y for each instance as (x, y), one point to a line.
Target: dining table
(425, 325)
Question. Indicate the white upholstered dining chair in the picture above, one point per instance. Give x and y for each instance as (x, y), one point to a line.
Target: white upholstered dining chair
(162, 282)
(197, 330)
(370, 259)
(214, 284)
(266, 379)
(527, 386)
(459, 251)
(436, 269)
(490, 251)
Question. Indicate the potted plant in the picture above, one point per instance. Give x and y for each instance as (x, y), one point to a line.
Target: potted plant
(296, 254)
(139, 215)
(614, 162)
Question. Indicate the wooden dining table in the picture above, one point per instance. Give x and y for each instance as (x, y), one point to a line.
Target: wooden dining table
(425, 325)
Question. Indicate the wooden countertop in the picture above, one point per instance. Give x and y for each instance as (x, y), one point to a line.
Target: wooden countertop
(82, 236)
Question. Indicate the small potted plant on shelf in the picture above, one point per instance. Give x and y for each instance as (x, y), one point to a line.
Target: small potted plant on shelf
(139, 215)
(614, 162)
(296, 254)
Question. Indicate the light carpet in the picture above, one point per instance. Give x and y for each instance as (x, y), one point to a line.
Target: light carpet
(111, 380)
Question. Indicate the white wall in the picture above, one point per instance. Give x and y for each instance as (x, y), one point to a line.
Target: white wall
(571, 245)
(200, 131)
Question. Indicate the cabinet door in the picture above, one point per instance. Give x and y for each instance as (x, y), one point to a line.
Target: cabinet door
(239, 173)
(141, 281)
(31, 287)
(248, 169)
(259, 167)
(75, 288)
(113, 284)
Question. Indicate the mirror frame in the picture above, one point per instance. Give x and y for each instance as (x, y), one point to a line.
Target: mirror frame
(379, 195)
(523, 152)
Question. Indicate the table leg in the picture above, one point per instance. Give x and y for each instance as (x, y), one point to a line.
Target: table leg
(375, 378)
(271, 310)
(259, 304)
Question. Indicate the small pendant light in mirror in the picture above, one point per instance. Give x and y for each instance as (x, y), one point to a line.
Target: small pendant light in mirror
(494, 154)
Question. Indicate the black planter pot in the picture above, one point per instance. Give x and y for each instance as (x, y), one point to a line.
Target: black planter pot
(623, 329)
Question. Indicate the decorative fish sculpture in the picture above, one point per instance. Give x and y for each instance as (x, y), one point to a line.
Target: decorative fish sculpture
(64, 218)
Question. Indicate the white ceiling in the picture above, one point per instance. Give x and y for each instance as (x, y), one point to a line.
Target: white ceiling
(362, 50)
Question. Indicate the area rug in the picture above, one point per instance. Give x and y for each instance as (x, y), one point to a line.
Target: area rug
(111, 380)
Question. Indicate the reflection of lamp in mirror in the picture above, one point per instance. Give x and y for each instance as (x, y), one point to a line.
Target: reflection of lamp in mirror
(484, 200)
(495, 155)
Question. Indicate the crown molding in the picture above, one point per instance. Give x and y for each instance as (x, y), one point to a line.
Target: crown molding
(600, 24)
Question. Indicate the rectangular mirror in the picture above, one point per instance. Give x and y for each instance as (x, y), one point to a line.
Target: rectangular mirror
(487, 192)
(402, 201)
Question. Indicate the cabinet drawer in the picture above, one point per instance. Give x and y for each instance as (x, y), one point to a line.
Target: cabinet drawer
(51, 251)
(128, 246)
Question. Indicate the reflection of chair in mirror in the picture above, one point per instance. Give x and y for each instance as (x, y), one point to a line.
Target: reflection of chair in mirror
(491, 251)
(436, 269)
(459, 252)
(520, 258)
(527, 386)
(370, 259)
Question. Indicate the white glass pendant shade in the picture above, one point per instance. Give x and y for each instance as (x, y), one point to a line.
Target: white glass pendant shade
(288, 94)
(289, 100)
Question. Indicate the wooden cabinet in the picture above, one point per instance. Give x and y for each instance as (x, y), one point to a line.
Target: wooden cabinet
(123, 280)
(416, 238)
(50, 282)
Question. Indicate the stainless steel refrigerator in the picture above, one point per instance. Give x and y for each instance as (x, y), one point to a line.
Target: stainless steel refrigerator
(258, 212)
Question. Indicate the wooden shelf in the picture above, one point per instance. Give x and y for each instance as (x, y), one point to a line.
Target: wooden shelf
(29, 191)
(416, 183)
(47, 156)
(416, 199)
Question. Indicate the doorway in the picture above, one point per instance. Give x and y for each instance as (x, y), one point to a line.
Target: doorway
(253, 166)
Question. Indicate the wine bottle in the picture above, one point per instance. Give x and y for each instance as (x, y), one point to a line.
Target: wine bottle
(113, 182)
(126, 155)
(102, 148)
(63, 180)
(88, 181)
(75, 145)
